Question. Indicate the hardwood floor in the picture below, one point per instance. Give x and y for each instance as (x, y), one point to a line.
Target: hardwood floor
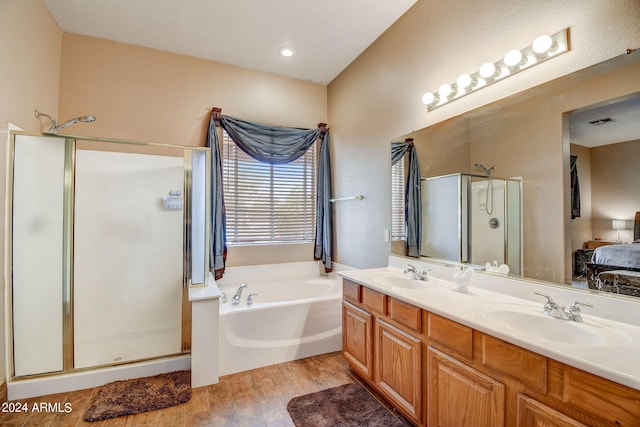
(252, 398)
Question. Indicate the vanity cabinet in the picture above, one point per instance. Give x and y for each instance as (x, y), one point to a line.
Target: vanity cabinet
(383, 342)
(461, 396)
(357, 327)
(398, 368)
(438, 372)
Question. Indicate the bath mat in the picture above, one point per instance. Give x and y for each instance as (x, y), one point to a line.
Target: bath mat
(140, 395)
(348, 405)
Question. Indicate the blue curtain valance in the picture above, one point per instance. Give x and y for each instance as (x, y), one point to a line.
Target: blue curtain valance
(273, 145)
(269, 144)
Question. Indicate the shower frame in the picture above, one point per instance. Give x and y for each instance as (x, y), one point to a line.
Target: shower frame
(70, 152)
(464, 221)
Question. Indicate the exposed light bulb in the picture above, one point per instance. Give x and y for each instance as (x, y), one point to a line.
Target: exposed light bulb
(542, 44)
(428, 98)
(445, 90)
(513, 58)
(464, 81)
(487, 70)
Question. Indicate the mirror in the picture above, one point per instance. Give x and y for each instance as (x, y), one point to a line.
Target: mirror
(528, 135)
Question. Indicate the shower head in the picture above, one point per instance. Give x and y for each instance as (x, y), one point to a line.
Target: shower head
(83, 119)
(487, 171)
(55, 127)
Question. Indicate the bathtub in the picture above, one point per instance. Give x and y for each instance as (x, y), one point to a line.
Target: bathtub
(296, 313)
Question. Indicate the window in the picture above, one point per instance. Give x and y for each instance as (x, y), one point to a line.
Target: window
(268, 203)
(397, 200)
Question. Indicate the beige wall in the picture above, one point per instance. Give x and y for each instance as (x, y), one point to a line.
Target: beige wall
(150, 95)
(377, 98)
(29, 72)
(615, 177)
(29, 63)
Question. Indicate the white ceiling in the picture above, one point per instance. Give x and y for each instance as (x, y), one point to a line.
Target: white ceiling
(327, 35)
(624, 123)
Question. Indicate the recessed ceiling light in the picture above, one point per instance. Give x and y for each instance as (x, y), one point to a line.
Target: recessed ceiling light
(286, 51)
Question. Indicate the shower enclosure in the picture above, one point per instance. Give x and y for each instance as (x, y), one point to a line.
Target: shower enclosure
(472, 219)
(104, 238)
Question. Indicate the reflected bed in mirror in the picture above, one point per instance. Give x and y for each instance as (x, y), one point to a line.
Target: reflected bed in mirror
(529, 135)
(616, 267)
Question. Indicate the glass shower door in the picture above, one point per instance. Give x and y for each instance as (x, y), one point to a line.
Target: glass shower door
(128, 257)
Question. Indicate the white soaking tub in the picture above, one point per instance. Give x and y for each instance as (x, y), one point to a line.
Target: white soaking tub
(296, 313)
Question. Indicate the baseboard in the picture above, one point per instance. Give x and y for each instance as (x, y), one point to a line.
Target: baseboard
(26, 388)
(3, 391)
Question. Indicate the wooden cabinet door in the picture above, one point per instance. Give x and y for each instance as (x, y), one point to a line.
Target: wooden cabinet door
(460, 396)
(356, 339)
(398, 368)
(532, 413)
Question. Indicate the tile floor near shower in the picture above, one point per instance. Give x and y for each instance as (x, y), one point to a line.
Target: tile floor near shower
(253, 398)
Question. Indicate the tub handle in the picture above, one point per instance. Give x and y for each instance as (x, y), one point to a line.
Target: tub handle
(250, 299)
(224, 297)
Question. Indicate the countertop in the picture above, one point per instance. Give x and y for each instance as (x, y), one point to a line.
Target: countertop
(617, 359)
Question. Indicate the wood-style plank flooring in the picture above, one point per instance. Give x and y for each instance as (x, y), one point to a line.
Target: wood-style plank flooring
(253, 398)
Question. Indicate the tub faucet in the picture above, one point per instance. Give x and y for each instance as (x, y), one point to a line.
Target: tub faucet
(236, 298)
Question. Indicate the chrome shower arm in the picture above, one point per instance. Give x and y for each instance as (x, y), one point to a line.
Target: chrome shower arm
(55, 127)
(54, 122)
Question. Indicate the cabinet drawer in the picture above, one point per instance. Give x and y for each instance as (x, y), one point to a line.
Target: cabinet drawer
(617, 404)
(523, 365)
(532, 413)
(374, 301)
(406, 314)
(450, 336)
(351, 291)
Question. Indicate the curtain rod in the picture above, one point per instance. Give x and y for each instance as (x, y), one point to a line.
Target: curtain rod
(217, 113)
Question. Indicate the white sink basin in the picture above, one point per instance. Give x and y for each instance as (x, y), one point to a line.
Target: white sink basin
(398, 281)
(530, 321)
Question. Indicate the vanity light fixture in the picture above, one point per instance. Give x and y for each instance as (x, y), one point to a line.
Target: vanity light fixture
(515, 60)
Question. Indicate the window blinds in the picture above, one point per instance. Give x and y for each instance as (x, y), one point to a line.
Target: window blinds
(397, 200)
(268, 203)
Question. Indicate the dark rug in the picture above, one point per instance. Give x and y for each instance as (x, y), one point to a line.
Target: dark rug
(140, 395)
(346, 405)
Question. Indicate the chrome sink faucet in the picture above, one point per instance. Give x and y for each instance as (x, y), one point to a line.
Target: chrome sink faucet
(574, 311)
(236, 298)
(559, 312)
(423, 275)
